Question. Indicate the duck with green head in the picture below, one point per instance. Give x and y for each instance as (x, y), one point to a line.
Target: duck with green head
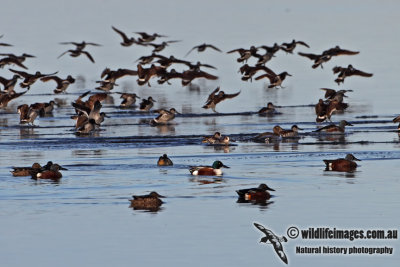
(215, 169)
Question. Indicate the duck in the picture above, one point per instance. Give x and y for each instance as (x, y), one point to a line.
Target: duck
(30, 79)
(125, 40)
(258, 194)
(147, 104)
(27, 114)
(289, 47)
(349, 71)
(269, 136)
(202, 48)
(164, 161)
(62, 84)
(346, 164)
(146, 37)
(11, 59)
(293, 132)
(165, 116)
(53, 173)
(128, 99)
(214, 98)
(275, 79)
(268, 110)
(26, 171)
(332, 128)
(77, 53)
(214, 170)
(151, 202)
(212, 139)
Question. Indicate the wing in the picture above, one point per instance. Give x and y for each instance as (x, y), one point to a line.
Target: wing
(191, 50)
(309, 55)
(64, 53)
(280, 252)
(266, 75)
(397, 119)
(202, 74)
(231, 95)
(261, 228)
(208, 66)
(302, 43)
(88, 55)
(173, 41)
(67, 43)
(21, 73)
(49, 78)
(50, 74)
(361, 73)
(124, 72)
(212, 95)
(94, 44)
(240, 50)
(329, 92)
(123, 35)
(213, 47)
(82, 108)
(346, 52)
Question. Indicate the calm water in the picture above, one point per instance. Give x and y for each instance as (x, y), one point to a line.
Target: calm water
(85, 219)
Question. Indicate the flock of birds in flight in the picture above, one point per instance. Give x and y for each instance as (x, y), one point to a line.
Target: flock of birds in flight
(89, 117)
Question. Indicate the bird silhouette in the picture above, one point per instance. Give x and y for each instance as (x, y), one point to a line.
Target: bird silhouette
(273, 240)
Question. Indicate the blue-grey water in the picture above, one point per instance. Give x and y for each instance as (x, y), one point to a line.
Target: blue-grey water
(85, 218)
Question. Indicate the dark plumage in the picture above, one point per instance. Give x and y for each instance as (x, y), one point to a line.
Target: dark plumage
(346, 164)
(202, 48)
(150, 202)
(164, 161)
(214, 98)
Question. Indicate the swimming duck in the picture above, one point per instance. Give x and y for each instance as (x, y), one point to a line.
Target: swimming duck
(151, 202)
(268, 110)
(212, 139)
(165, 116)
(128, 99)
(215, 169)
(53, 173)
(268, 136)
(332, 128)
(342, 164)
(25, 171)
(147, 104)
(293, 132)
(164, 161)
(259, 193)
